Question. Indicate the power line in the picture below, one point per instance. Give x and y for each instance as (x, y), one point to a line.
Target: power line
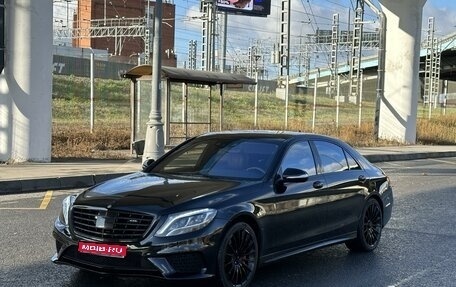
(311, 11)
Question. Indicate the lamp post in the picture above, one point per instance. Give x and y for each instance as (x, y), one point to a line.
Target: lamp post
(154, 142)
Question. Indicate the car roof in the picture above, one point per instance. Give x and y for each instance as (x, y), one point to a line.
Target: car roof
(265, 133)
(251, 133)
(286, 136)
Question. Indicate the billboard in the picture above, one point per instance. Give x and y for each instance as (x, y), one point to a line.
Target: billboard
(260, 8)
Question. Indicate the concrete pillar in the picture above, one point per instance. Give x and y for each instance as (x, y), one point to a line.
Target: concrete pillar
(26, 82)
(398, 110)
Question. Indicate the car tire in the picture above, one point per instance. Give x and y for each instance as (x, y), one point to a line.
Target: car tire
(237, 258)
(369, 228)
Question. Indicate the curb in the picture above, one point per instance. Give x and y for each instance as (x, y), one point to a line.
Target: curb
(407, 156)
(43, 184)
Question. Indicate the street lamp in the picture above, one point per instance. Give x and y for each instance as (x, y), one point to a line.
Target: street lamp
(154, 142)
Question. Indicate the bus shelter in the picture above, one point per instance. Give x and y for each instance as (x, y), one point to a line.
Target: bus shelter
(186, 103)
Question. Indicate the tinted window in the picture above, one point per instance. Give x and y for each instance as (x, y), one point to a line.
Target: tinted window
(299, 156)
(332, 157)
(352, 164)
(242, 159)
(233, 158)
(187, 161)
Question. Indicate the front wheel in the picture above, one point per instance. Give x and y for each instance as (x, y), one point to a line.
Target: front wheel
(238, 256)
(369, 228)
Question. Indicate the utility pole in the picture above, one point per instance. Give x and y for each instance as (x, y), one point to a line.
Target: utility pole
(223, 48)
(432, 67)
(208, 8)
(284, 45)
(381, 67)
(67, 14)
(284, 50)
(147, 35)
(256, 58)
(334, 52)
(355, 64)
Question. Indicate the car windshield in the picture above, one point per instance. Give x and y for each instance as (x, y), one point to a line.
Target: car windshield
(246, 158)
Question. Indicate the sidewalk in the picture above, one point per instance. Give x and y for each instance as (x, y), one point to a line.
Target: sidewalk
(410, 152)
(30, 177)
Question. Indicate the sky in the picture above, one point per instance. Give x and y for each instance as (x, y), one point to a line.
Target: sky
(307, 16)
(444, 12)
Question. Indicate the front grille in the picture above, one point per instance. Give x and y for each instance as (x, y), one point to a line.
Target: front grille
(186, 262)
(110, 225)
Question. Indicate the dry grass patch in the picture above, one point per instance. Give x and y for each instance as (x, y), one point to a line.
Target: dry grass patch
(439, 130)
(72, 141)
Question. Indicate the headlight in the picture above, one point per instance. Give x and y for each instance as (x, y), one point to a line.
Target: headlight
(66, 205)
(184, 222)
(384, 187)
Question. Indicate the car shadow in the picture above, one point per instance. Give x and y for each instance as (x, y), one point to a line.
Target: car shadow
(83, 278)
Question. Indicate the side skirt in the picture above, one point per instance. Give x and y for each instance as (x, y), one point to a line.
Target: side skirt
(300, 249)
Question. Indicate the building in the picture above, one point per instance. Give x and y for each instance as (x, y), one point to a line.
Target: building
(118, 13)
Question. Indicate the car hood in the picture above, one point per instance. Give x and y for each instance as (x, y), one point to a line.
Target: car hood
(152, 192)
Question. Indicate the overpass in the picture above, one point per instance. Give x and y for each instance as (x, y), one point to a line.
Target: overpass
(370, 63)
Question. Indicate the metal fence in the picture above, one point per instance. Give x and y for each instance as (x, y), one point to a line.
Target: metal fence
(308, 109)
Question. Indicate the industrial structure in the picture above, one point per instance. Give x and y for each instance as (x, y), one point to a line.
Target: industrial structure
(123, 30)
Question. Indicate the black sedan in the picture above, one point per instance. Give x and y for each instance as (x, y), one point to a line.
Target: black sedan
(221, 204)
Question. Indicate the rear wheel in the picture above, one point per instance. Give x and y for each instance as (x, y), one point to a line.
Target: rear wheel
(238, 256)
(369, 228)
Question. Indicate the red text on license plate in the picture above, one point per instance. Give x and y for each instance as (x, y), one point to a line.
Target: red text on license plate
(110, 250)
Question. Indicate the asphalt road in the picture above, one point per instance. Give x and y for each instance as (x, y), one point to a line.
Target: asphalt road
(417, 248)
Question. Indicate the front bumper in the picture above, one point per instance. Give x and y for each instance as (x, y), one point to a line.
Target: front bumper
(185, 258)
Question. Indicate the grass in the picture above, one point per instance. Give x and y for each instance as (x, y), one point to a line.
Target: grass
(71, 117)
(440, 130)
(71, 136)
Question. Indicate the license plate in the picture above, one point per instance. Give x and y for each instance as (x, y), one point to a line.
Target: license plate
(109, 250)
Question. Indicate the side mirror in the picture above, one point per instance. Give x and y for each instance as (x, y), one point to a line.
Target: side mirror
(147, 163)
(295, 175)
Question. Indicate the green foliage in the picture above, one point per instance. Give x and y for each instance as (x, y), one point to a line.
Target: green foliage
(71, 100)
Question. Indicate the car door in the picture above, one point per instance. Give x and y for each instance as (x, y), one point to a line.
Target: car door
(345, 190)
(294, 215)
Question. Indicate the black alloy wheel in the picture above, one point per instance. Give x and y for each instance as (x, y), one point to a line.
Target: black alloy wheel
(238, 256)
(369, 228)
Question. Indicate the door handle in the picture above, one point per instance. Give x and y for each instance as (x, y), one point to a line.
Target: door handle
(318, 184)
